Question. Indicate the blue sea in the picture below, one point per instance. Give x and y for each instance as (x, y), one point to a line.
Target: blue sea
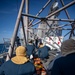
(3, 48)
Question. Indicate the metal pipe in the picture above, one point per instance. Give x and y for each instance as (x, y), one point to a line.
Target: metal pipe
(66, 6)
(65, 25)
(28, 15)
(40, 11)
(26, 19)
(50, 28)
(59, 27)
(72, 31)
(67, 33)
(67, 15)
(38, 28)
(62, 2)
(43, 18)
(23, 31)
(11, 48)
(35, 23)
(65, 20)
(64, 29)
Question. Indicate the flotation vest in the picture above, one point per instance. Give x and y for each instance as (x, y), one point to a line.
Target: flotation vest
(39, 67)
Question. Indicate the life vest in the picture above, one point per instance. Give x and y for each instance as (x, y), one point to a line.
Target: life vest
(39, 67)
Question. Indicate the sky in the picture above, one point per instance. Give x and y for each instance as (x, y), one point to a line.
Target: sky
(9, 11)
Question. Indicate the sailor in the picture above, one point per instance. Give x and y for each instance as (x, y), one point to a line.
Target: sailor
(18, 65)
(18, 41)
(65, 65)
(42, 51)
(30, 48)
(43, 54)
(36, 42)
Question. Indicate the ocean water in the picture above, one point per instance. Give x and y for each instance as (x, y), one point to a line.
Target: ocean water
(3, 48)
